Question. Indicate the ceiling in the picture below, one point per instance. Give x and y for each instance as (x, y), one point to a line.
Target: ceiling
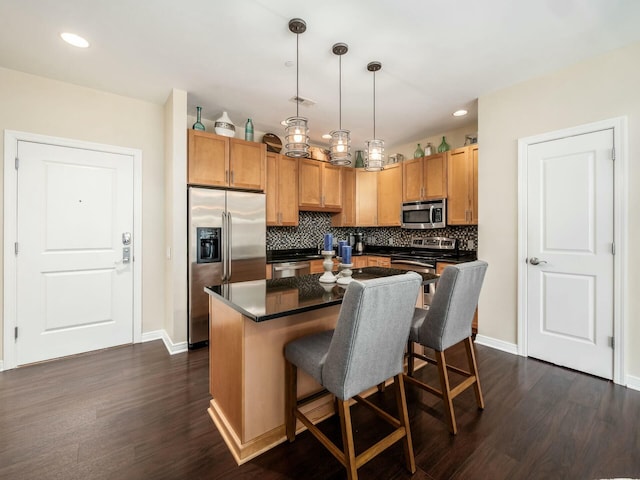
(437, 56)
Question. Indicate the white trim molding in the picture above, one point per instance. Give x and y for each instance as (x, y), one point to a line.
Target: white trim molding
(633, 382)
(1, 366)
(11, 139)
(620, 234)
(497, 344)
(162, 334)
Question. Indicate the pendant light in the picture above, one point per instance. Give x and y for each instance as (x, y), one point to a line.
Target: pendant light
(297, 131)
(375, 147)
(340, 139)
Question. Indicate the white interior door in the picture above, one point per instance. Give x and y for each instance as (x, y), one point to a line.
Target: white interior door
(570, 268)
(74, 284)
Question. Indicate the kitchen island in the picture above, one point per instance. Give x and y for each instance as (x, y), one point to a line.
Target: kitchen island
(250, 322)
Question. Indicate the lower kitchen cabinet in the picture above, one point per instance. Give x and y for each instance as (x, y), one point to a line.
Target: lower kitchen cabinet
(359, 261)
(375, 261)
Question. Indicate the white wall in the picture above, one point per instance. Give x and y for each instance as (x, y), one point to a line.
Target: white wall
(35, 104)
(598, 89)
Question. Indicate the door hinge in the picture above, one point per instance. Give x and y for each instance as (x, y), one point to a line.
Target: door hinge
(15, 247)
(611, 342)
(613, 248)
(17, 163)
(15, 333)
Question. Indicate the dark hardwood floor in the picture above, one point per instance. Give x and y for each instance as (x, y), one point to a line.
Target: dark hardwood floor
(136, 412)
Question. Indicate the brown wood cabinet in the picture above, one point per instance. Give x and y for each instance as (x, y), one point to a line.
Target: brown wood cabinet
(425, 178)
(440, 266)
(462, 185)
(282, 190)
(366, 198)
(389, 196)
(217, 161)
(347, 217)
(359, 261)
(375, 261)
(320, 186)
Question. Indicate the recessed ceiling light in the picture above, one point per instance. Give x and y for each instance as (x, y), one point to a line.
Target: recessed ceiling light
(460, 113)
(326, 135)
(75, 40)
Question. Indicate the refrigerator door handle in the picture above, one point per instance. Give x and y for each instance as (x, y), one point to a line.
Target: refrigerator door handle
(225, 242)
(229, 223)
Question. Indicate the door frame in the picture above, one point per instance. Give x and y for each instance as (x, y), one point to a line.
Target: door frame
(620, 232)
(10, 221)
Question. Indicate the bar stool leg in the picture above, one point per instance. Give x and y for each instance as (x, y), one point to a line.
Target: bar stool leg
(446, 391)
(347, 440)
(291, 399)
(403, 416)
(473, 369)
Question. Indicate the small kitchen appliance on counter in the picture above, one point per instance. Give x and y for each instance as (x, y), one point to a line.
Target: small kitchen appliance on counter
(356, 241)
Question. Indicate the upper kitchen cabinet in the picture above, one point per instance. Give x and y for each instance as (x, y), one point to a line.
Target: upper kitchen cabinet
(462, 202)
(425, 178)
(370, 199)
(347, 216)
(282, 190)
(218, 161)
(320, 187)
(390, 196)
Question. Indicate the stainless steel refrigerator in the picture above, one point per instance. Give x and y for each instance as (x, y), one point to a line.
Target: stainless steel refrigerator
(227, 243)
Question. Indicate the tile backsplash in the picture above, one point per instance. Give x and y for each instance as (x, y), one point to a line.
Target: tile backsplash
(313, 225)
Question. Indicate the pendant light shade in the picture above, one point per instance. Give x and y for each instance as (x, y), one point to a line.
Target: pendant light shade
(297, 130)
(340, 139)
(375, 147)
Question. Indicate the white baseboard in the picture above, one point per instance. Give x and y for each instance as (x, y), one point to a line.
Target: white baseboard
(633, 382)
(497, 344)
(172, 348)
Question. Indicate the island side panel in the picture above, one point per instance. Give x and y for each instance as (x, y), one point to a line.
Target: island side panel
(264, 367)
(225, 361)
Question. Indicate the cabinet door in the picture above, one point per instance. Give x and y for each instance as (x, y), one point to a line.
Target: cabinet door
(347, 217)
(247, 164)
(459, 186)
(359, 261)
(412, 184)
(435, 176)
(315, 266)
(208, 156)
(332, 187)
(288, 190)
(366, 198)
(474, 183)
(310, 187)
(271, 191)
(389, 196)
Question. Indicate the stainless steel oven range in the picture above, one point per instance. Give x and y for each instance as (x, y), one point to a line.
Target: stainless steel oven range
(423, 256)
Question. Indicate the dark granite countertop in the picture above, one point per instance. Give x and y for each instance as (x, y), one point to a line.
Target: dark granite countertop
(262, 300)
(303, 254)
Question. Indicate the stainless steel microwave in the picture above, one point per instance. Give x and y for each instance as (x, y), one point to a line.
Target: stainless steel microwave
(424, 215)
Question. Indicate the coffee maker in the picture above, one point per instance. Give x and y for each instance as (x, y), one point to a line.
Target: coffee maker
(356, 241)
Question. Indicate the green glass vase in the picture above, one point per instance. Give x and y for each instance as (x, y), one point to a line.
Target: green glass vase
(419, 152)
(359, 159)
(198, 125)
(444, 146)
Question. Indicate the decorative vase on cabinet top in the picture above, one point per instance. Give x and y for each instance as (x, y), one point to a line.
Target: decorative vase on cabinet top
(224, 126)
(428, 149)
(419, 152)
(444, 146)
(198, 125)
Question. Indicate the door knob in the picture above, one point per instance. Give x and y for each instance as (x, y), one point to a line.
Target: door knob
(536, 261)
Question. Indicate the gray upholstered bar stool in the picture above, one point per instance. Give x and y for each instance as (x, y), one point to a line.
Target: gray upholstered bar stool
(445, 324)
(365, 349)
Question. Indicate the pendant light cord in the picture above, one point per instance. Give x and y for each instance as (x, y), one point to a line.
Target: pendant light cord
(340, 94)
(297, 74)
(374, 105)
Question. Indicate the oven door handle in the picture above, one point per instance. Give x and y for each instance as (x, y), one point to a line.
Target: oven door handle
(297, 266)
(409, 262)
